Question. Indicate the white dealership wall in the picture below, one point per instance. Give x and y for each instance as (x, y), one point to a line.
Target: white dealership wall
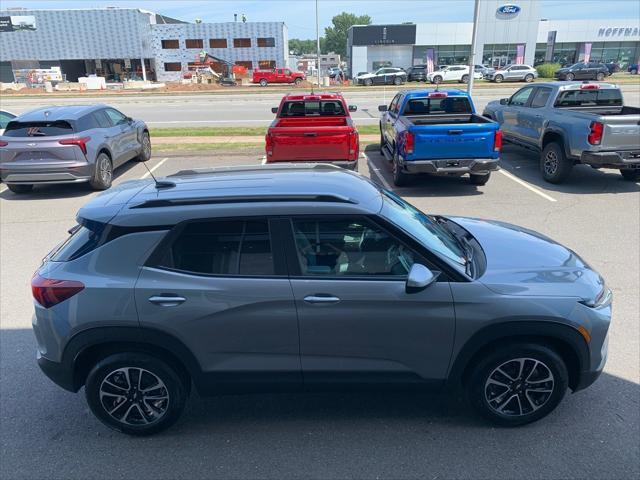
(580, 31)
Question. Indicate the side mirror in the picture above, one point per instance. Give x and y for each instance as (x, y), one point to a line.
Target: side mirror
(353, 108)
(382, 108)
(504, 101)
(274, 109)
(420, 277)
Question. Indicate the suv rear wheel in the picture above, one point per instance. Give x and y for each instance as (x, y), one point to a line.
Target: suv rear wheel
(102, 173)
(397, 81)
(570, 77)
(465, 79)
(263, 82)
(600, 76)
(518, 384)
(19, 188)
(135, 393)
(297, 81)
(528, 78)
(498, 78)
(554, 164)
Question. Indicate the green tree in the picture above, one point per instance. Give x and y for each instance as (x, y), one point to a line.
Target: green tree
(336, 36)
(305, 47)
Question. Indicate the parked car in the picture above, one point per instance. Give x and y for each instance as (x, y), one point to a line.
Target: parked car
(70, 144)
(483, 69)
(572, 123)
(583, 71)
(453, 73)
(633, 68)
(313, 128)
(612, 67)
(308, 277)
(417, 73)
(438, 132)
(383, 76)
(335, 71)
(512, 73)
(277, 75)
(5, 117)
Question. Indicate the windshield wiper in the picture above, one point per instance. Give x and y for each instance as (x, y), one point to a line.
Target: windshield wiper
(469, 252)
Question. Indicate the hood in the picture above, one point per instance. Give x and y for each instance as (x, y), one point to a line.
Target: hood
(563, 70)
(523, 262)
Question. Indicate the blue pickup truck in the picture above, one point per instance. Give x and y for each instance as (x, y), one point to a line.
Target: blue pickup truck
(438, 132)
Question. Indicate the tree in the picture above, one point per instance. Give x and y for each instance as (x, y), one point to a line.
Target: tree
(305, 47)
(336, 36)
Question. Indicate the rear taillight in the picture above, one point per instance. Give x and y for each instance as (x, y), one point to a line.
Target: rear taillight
(3, 143)
(408, 142)
(497, 141)
(354, 145)
(49, 292)
(81, 142)
(595, 133)
(268, 144)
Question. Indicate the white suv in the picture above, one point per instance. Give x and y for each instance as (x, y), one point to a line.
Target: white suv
(452, 73)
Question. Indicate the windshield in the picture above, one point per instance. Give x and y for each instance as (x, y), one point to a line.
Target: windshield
(422, 227)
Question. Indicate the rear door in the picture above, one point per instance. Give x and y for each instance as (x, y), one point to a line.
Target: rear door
(221, 287)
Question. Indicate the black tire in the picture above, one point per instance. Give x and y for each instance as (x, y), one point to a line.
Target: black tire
(634, 71)
(297, 81)
(368, 82)
(145, 153)
(397, 81)
(554, 164)
(437, 79)
(102, 173)
(631, 174)
(479, 179)
(19, 188)
(531, 404)
(465, 79)
(600, 76)
(528, 78)
(382, 143)
(498, 78)
(569, 77)
(400, 178)
(263, 82)
(171, 385)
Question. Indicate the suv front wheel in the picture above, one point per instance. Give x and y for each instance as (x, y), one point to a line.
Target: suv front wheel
(135, 393)
(518, 384)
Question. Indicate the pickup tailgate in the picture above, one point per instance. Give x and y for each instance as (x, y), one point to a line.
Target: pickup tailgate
(461, 140)
(621, 132)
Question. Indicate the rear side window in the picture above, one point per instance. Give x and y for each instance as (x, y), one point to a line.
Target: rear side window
(427, 106)
(540, 97)
(38, 129)
(83, 239)
(322, 108)
(87, 122)
(590, 98)
(4, 119)
(222, 247)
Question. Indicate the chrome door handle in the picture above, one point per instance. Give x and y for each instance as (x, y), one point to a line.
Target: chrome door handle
(321, 299)
(167, 300)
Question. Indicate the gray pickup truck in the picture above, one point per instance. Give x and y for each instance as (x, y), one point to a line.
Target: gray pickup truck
(572, 123)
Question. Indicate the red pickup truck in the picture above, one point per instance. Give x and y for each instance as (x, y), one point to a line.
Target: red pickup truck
(277, 75)
(313, 128)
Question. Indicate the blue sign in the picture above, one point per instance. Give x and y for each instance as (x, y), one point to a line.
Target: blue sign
(507, 11)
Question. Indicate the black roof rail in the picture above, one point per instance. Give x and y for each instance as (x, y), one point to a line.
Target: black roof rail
(257, 168)
(181, 202)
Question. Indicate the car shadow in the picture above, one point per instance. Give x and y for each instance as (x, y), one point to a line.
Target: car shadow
(583, 179)
(421, 185)
(63, 190)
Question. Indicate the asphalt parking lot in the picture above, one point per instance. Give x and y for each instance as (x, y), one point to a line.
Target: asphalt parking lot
(49, 433)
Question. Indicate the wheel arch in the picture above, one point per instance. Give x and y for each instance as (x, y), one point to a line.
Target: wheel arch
(554, 135)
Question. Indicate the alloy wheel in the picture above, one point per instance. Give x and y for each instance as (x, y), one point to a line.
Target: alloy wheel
(146, 146)
(551, 163)
(134, 396)
(519, 386)
(105, 171)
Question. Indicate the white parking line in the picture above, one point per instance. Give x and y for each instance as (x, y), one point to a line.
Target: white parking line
(526, 185)
(154, 168)
(264, 160)
(376, 171)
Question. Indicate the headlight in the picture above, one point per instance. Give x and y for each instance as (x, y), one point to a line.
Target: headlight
(602, 299)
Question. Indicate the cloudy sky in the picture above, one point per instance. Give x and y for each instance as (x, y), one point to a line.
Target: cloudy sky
(299, 15)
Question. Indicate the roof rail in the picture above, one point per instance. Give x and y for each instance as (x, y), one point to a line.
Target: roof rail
(181, 202)
(248, 168)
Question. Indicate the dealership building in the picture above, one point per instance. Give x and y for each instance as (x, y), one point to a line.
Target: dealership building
(125, 43)
(506, 33)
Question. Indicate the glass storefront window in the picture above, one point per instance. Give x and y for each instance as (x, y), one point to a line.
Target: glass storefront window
(499, 55)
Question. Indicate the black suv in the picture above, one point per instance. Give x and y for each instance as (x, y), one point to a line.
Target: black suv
(417, 73)
(583, 71)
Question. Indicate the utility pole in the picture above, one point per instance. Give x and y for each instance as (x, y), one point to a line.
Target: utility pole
(318, 43)
(476, 14)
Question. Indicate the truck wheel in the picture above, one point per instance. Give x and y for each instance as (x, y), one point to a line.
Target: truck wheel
(482, 179)
(528, 78)
(368, 82)
(498, 78)
(570, 77)
(263, 82)
(465, 79)
(297, 81)
(400, 179)
(600, 76)
(554, 164)
(19, 188)
(397, 81)
(631, 174)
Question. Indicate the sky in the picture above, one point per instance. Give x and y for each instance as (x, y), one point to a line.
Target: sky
(299, 15)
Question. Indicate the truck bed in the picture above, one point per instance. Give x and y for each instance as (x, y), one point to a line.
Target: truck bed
(446, 119)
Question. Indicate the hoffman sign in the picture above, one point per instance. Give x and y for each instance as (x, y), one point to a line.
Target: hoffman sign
(618, 32)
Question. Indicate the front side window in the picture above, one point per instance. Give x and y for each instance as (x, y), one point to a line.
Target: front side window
(521, 97)
(349, 247)
(116, 117)
(393, 106)
(222, 247)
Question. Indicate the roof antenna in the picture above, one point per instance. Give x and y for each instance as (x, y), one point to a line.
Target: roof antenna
(159, 183)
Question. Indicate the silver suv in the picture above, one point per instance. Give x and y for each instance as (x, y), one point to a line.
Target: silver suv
(70, 144)
(306, 277)
(513, 73)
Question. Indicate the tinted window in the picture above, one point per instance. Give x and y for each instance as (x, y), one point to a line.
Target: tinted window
(115, 116)
(426, 106)
(83, 239)
(394, 105)
(589, 98)
(226, 247)
(38, 129)
(4, 119)
(540, 97)
(312, 108)
(520, 97)
(102, 119)
(349, 247)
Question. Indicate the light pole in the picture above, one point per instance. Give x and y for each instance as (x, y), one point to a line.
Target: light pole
(318, 43)
(476, 13)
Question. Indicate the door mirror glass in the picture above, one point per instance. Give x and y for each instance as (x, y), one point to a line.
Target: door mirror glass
(353, 108)
(274, 109)
(382, 108)
(420, 277)
(504, 101)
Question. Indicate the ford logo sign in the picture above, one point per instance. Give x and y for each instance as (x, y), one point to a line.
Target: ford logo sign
(507, 11)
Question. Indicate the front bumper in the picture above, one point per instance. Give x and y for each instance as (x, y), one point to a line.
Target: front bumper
(67, 172)
(452, 166)
(630, 159)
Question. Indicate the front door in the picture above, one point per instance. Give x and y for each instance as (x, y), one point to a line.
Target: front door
(511, 113)
(220, 286)
(358, 324)
(124, 136)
